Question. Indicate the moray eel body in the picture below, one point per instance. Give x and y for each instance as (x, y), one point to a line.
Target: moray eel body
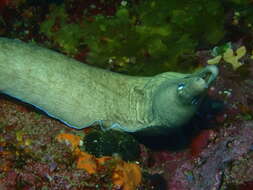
(80, 95)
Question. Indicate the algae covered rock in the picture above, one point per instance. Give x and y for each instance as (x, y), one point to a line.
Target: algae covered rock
(108, 143)
(145, 38)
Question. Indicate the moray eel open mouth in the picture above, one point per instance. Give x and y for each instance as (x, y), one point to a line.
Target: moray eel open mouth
(208, 74)
(192, 89)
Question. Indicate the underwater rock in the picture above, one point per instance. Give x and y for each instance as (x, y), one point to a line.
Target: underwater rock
(124, 175)
(80, 95)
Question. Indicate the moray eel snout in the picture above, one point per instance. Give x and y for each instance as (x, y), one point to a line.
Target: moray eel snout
(209, 74)
(191, 90)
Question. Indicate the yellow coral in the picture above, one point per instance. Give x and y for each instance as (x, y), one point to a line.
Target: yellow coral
(251, 57)
(230, 57)
(214, 60)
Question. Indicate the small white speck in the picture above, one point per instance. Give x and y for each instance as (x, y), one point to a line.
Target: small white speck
(110, 60)
(92, 6)
(228, 93)
(123, 3)
(49, 177)
(81, 143)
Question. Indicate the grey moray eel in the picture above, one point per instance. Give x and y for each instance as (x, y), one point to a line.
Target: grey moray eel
(80, 95)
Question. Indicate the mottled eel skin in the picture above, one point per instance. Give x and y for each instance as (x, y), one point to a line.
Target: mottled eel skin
(80, 95)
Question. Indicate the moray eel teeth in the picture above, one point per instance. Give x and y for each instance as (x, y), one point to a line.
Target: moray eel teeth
(81, 96)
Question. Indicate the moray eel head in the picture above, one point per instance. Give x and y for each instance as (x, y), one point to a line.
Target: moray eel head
(176, 101)
(192, 88)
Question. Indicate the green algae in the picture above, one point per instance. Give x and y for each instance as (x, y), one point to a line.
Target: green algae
(109, 143)
(147, 38)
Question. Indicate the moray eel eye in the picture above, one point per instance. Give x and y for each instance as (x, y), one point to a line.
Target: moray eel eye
(180, 86)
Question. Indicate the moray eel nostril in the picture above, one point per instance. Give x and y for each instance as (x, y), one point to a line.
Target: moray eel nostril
(81, 96)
